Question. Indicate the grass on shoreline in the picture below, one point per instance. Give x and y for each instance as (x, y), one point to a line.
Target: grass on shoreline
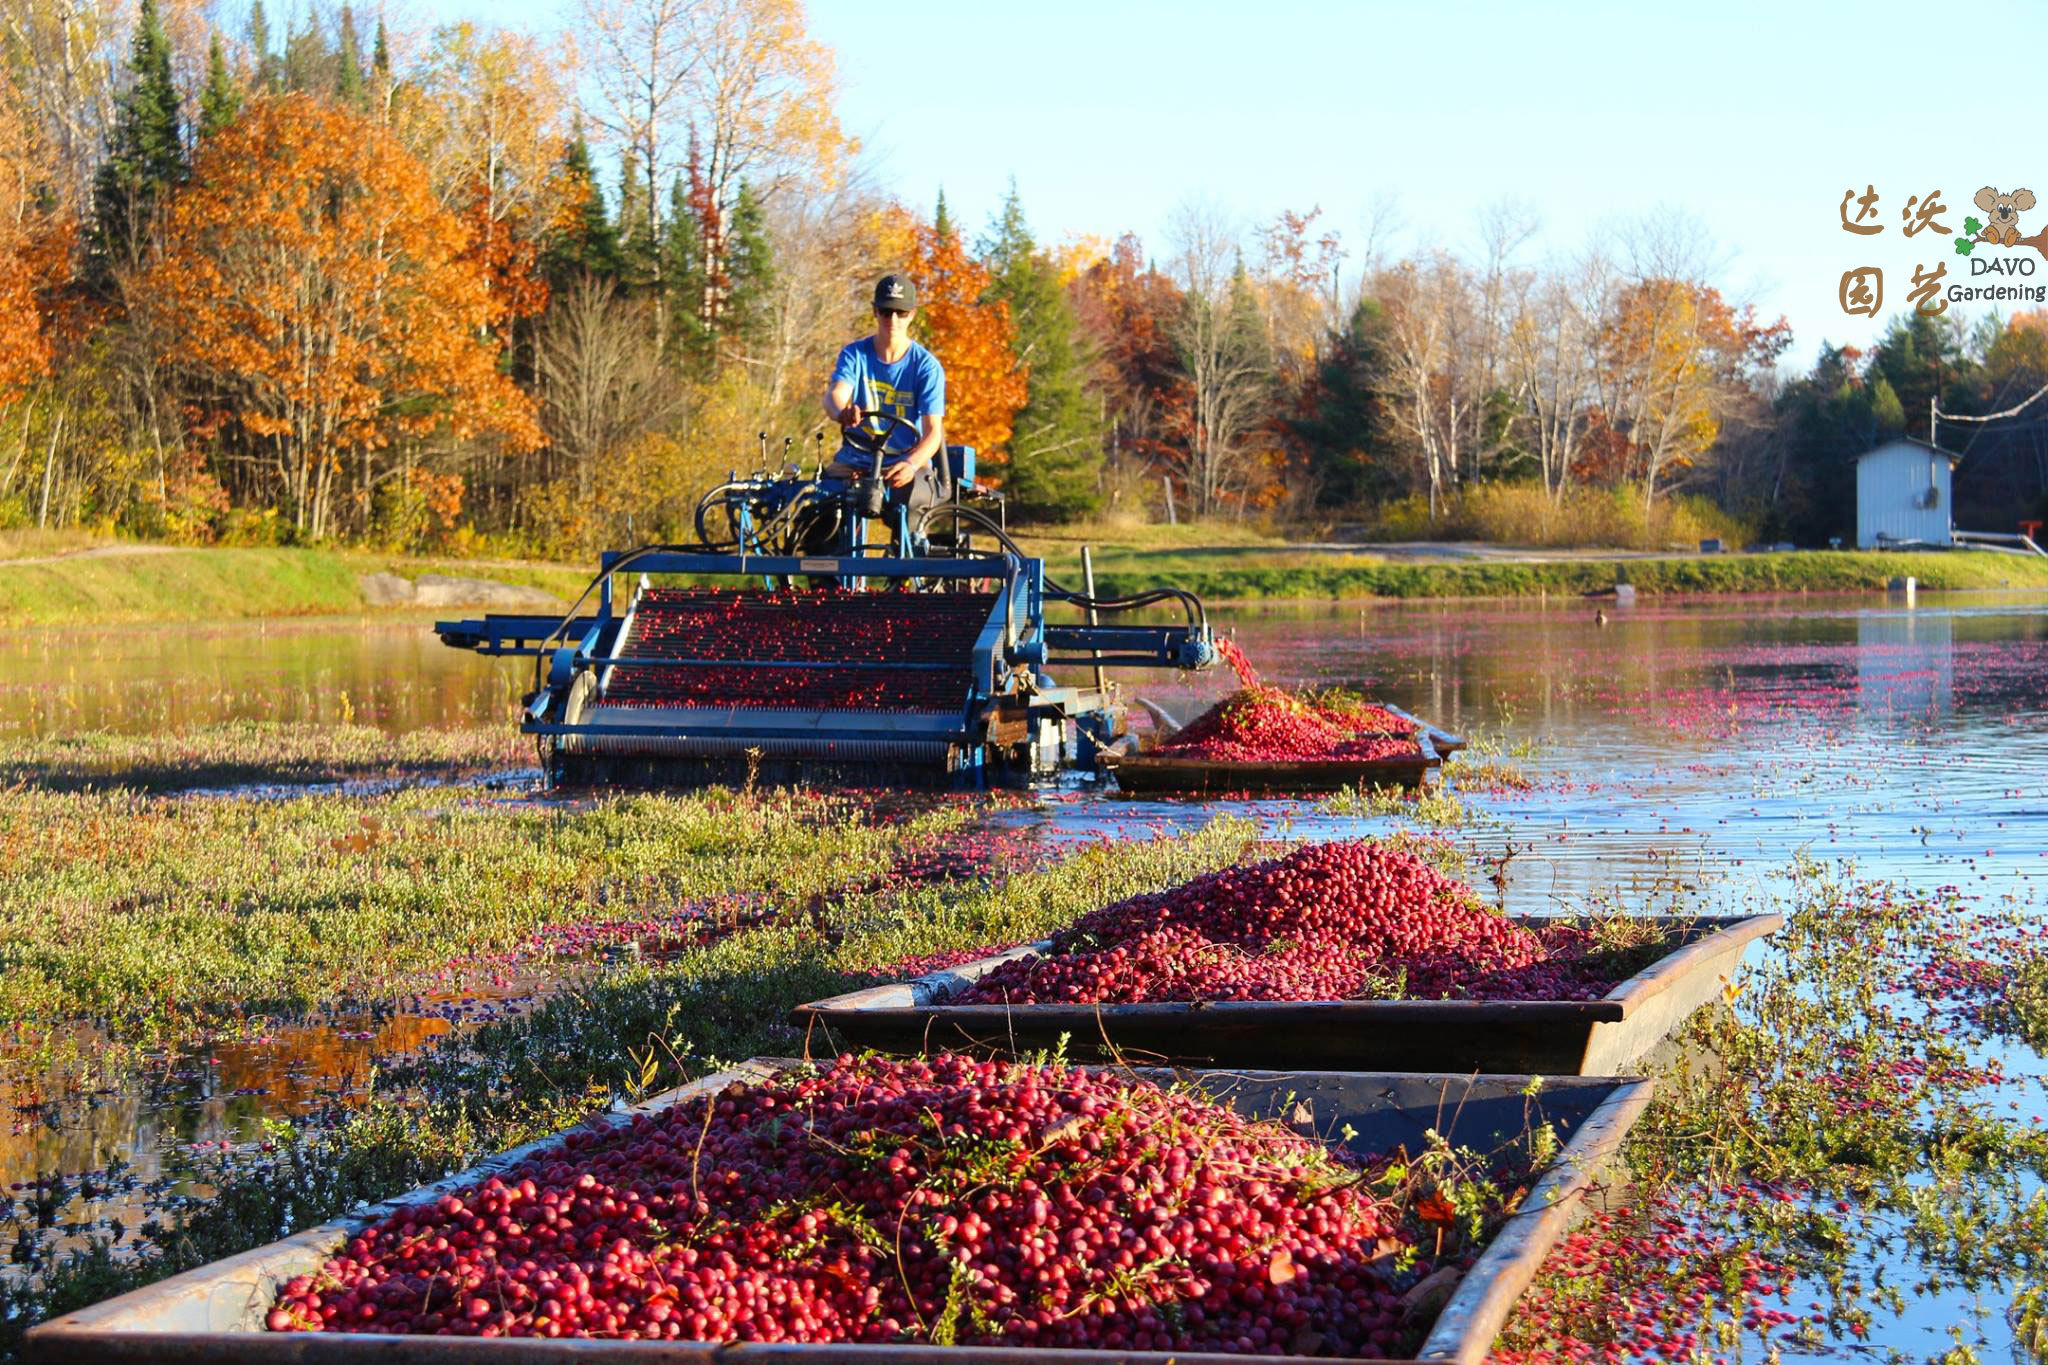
(161, 916)
(1363, 577)
(1220, 563)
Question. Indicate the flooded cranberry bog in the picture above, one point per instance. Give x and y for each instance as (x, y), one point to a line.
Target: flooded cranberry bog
(224, 1031)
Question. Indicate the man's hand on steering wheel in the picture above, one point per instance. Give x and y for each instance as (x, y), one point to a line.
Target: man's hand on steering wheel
(869, 441)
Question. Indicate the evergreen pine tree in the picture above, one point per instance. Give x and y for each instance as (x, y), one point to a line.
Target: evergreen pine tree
(1341, 428)
(1886, 409)
(638, 268)
(590, 245)
(259, 43)
(380, 60)
(145, 154)
(348, 70)
(690, 338)
(942, 222)
(308, 63)
(221, 100)
(750, 273)
(1056, 440)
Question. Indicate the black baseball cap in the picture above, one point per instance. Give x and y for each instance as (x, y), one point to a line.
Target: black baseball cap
(895, 294)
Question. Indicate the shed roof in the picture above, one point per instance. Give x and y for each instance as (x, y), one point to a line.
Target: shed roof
(1953, 458)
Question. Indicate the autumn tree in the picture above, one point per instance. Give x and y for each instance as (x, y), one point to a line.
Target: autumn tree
(828, 244)
(33, 241)
(760, 98)
(1554, 356)
(972, 336)
(643, 55)
(601, 384)
(1056, 443)
(326, 318)
(1300, 271)
(1226, 353)
(487, 112)
(1128, 311)
(1672, 354)
(64, 59)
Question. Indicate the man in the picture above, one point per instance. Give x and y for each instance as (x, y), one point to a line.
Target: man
(890, 373)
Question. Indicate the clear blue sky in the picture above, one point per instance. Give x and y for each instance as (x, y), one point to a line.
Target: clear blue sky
(1750, 118)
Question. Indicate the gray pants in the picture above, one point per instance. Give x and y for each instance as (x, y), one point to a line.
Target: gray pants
(920, 493)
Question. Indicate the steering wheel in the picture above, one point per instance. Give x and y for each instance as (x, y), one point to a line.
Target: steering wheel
(876, 443)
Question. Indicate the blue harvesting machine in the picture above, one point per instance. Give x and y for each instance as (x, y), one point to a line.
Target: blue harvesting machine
(783, 646)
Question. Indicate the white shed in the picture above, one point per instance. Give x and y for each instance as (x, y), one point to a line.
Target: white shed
(1902, 494)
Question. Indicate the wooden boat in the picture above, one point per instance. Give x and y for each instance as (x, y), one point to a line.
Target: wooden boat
(1555, 1037)
(1138, 772)
(215, 1313)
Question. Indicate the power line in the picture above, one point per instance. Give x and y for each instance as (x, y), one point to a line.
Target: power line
(1988, 417)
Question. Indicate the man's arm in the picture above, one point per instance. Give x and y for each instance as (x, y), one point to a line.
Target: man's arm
(839, 404)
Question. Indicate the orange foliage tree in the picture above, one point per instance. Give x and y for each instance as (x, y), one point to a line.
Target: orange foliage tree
(1128, 310)
(33, 248)
(975, 341)
(324, 307)
(24, 350)
(1670, 355)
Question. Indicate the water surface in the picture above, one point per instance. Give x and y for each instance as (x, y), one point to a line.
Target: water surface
(1688, 749)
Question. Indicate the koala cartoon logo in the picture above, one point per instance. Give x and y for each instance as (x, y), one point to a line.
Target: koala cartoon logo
(2004, 211)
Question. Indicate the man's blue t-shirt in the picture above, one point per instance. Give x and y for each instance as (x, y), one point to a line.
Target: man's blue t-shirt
(914, 388)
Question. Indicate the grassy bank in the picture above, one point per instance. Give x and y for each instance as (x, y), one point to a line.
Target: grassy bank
(114, 583)
(1332, 578)
(152, 583)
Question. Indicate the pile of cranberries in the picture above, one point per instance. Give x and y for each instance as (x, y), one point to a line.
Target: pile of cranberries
(1334, 921)
(885, 1201)
(1263, 724)
(808, 633)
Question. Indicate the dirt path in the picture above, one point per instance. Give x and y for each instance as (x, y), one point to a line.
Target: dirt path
(93, 552)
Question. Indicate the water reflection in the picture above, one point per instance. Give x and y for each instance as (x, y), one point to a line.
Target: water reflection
(1905, 663)
(394, 675)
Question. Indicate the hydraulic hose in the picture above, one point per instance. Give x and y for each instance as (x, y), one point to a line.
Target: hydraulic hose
(1197, 613)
